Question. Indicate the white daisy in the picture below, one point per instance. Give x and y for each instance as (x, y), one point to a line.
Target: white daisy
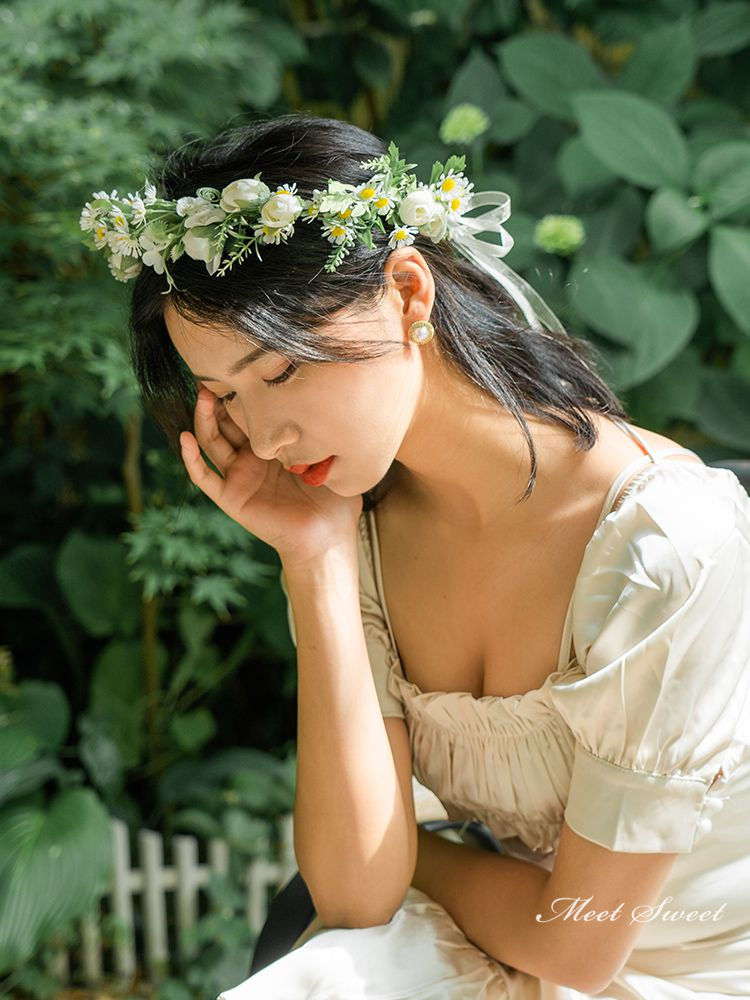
(309, 212)
(120, 222)
(384, 202)
(101, 235)
(453, 190)
(138, 214)
(89, 217)
(269, 234)
(366, 192)
(124, 244)
(337, 232)
(402, 236)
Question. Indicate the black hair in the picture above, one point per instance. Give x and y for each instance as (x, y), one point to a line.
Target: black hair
(479, 329)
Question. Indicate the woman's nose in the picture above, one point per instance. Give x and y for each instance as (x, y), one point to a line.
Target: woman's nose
(269, 443)
(268, 435)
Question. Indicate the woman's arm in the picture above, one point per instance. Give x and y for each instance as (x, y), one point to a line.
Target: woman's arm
(354, 840)
(535, 920)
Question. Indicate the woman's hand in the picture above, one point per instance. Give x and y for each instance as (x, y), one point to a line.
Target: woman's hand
(301, 522)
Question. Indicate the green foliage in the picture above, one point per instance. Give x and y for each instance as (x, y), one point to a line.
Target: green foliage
(215, 951)
(198, 548)
(54, 848)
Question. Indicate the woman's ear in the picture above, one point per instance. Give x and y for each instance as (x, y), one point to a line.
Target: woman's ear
(409, 274)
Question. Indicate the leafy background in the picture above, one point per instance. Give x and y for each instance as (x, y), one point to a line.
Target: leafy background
(146, 669)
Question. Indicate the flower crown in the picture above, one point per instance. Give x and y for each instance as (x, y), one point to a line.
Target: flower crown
(145, 229)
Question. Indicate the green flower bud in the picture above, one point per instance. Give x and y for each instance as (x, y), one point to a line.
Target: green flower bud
(561, 234)
(463, 124)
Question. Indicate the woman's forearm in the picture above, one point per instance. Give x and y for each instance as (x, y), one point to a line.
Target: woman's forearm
(351, 835)
(493, 898)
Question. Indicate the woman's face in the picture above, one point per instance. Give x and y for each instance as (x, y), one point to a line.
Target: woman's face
(358, 412)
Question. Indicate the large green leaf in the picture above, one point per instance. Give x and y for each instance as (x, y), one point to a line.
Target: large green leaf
(117, 697)
(26, 580)
(580, 171)
(729, 267)
(547, 69)
(39, 709)
(721, 28)
(672, 392)
(100, 753)
(634, 137)
(192, 730)
(622, 301)
(672, 220)
(373, 62)
(93, 576)
(615, 228)
(54, 863)
(722, 411)
(663, 63)
(18, 781)
(722, 179)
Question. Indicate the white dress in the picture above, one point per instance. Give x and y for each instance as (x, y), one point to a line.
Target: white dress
(650, 700)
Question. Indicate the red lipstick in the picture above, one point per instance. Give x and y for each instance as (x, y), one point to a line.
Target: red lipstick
(313, 475)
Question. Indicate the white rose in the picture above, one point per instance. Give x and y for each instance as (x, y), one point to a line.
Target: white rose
(280, 210)
(418, 207)
(244, 193)
(197, 247)
(199, 212)
(437, 225)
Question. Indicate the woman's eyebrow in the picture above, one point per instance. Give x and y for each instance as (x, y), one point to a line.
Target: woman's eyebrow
(238, 366)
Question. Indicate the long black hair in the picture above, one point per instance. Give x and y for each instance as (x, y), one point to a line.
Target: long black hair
(283, 302)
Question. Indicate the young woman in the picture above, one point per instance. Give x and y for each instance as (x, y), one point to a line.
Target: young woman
(494, 581)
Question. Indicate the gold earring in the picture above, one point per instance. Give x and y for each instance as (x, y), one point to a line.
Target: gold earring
(421, 332)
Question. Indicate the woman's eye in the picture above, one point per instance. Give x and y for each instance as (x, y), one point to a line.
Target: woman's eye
(287, 373)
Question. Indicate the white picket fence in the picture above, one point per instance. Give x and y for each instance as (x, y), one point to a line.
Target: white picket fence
(146, 886)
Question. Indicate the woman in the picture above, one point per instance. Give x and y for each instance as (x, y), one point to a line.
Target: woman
(451, 490)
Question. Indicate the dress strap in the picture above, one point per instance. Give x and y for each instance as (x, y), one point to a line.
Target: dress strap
(626, 427)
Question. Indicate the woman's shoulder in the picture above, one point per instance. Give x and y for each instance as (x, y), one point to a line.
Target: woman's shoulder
(681, 510)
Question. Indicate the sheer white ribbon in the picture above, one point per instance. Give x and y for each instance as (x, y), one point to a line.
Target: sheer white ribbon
(487, 256)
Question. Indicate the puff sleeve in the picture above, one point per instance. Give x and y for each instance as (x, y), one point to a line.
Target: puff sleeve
(377, 638)
(661, 628)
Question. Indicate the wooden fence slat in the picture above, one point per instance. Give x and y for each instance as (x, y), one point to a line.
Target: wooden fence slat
(59, 964)
(91, 948)
(287, 857)
(260, 874)
(218, 856)
(122, 901)
(187, 883)
(151, 848)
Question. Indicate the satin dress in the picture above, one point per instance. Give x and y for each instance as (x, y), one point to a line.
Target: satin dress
(639, 739)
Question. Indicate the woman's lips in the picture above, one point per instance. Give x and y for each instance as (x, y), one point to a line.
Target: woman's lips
(313, 475)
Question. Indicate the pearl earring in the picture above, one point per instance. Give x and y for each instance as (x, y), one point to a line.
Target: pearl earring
(421, 332)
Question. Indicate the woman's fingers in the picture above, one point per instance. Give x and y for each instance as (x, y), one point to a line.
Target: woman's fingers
(203, 477)
(210, 436)
(234, 435)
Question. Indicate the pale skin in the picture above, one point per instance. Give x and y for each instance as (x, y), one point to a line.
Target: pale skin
(462, 464)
